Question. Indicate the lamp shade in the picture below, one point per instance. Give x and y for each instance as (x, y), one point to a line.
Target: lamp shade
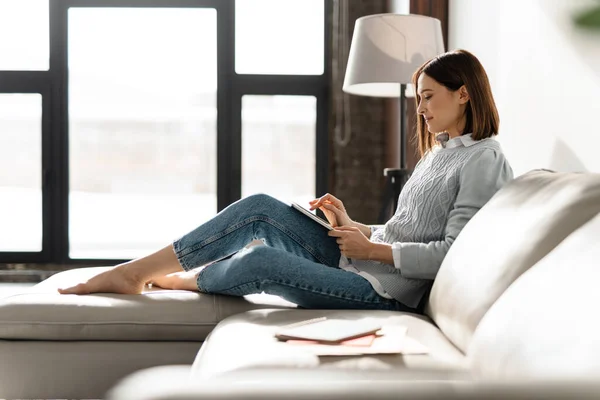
(387, 49)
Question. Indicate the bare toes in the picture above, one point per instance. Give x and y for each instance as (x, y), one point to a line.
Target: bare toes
(77, 289)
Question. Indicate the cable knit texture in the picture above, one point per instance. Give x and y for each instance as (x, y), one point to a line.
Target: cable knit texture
(448, 186)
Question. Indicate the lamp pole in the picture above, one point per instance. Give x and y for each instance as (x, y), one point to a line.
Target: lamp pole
(396, 177)
(402, 126)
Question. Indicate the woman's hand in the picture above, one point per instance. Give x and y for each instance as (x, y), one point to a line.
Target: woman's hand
(334, 210)
(352, 242)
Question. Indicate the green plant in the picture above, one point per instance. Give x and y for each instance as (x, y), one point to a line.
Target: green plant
(589, 18)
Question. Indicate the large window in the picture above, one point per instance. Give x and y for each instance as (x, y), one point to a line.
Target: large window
(278, 146)
(269, 41)
(20, 182)
(125, 124)
(24, 35)
(142, 139)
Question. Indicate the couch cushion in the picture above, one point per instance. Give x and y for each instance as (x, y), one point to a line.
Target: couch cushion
(41, 313)
(545, 325)
(246, 342)
(524, 221)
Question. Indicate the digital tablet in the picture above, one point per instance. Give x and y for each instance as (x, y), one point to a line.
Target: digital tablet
(328, 330)
(309, 214)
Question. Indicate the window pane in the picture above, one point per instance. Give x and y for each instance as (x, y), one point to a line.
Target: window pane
(21, 163)
(142, 127)
(24, 35)
(279, 146)
(279, 37)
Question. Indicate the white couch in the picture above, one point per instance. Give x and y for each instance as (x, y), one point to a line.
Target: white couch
(510, 310)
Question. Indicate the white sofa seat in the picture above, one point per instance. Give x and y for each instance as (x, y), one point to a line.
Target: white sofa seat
(41, 313)
(246, 341)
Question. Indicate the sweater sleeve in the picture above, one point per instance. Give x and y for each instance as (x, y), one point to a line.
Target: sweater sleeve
(375, 228)
(480, 178)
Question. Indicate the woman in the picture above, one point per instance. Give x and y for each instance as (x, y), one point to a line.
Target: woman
(354, 265)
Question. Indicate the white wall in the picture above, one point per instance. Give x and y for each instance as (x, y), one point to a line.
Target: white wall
(545, 76)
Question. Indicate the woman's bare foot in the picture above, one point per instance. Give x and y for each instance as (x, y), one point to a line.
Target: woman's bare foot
(117, 280)
(130, 277)
(187, 280)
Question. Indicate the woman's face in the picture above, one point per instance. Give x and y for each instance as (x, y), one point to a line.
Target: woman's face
(442, 109)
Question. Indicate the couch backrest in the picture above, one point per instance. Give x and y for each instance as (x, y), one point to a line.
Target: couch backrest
(522, 223)
(545, 326)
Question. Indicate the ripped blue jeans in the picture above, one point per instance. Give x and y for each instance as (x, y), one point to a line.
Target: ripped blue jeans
(299, 262)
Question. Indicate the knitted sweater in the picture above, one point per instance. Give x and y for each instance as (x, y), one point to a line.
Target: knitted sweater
(448, 186)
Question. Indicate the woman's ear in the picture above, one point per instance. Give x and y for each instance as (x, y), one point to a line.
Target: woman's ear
(463, 95)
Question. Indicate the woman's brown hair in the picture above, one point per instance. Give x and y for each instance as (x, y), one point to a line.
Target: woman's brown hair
(453, 70)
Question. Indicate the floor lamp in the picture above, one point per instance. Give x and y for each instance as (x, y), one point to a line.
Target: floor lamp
(386, 50)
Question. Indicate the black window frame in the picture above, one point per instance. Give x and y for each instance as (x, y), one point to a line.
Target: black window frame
(53, 87)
